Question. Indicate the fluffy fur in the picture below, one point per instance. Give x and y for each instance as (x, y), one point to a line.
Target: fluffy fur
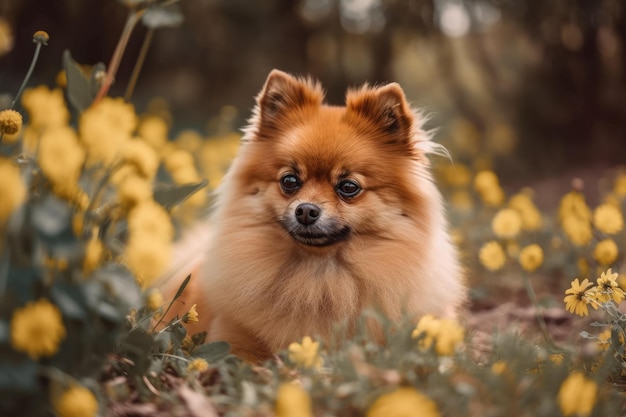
(268, 279)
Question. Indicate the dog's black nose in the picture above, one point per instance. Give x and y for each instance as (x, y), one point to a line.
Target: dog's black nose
(307, 213)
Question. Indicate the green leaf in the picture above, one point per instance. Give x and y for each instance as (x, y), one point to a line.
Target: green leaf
(170, 196)
(81, 88)
(212, 352)
(70, 300)
(163, 16)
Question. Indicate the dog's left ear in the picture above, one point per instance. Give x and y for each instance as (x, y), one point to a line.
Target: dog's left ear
(386, 107)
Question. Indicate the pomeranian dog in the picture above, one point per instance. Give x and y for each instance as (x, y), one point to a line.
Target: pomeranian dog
(327, 211)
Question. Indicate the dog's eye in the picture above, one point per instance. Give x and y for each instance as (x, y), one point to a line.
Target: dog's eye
(348, 188)
(289, 183)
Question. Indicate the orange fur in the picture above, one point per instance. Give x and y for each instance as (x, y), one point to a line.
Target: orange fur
(259, 288)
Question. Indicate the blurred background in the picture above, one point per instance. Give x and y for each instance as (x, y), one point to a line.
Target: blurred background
(529, 88)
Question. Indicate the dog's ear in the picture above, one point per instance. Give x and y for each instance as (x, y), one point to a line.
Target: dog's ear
(385, 107)
(283, 93)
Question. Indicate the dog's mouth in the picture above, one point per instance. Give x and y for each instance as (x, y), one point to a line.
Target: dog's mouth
(319, 238)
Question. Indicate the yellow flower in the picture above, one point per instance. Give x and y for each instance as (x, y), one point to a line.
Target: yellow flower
(293, 401)
(531, 216)
(12, 189)
(492, 256)
(10, 122)
(189, 140)
(198, 364)
(93, 253)
(608, 219)
(192, 315)
(577, 395)
(444, 334)
(155, 300)
(486, 180)
(577, 230)
(507, 223)
(403, 402)
(105, 128)
(153, 130)
(493, 197)
(579, 297)
(151, 220)
(37, 329)
(45, 107)
(60, 156)
(556, 358)
(605, 252)
(619, 187)
(147, 258)
(573, 204)
(6, 37)
(531, 257)
(501, 139)
(604, 339)
(305, 354)
(142, 156)
(499, 367)
(134, 190)
(608, 288)
(77, 401)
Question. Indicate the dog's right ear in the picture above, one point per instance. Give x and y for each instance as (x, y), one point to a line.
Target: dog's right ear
(283, 93)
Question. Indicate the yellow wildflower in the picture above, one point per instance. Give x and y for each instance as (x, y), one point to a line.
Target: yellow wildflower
(619, 187)
(189, 140)
(105, 128)
(60, 156)
(486, 180)
(577, 395)
(493, 197)
(150, 219)
(155, 300)
(37, 329)
(507, 223)
(77, 401)
(305, 354)
(578, 297)
(531, 257)
(608, 288)
(147, 258)
(608, 219)
(192, 315)
(93, 253)
(604, 339)
(404, 401)
(142, 156)
(41, 36)
(6, 37)
(12, 189)
(177, 160)
(198, 364)
(10, 122)
(531, 216)
(577, 230)
(134, 190)
(499, 367)
(556, 358)
(444, 334)
(153, 129)
(45, 107)
(293, 401)
(492, 256)
(605, 252)
(573, 204)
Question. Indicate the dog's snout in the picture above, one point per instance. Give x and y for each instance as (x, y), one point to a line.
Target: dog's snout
(307, 213)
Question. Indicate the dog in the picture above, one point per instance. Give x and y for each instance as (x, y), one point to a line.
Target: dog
(326, 211)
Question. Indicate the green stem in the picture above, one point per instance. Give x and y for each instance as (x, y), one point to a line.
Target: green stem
(538, 310)
(139, 64)
(133, 17)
